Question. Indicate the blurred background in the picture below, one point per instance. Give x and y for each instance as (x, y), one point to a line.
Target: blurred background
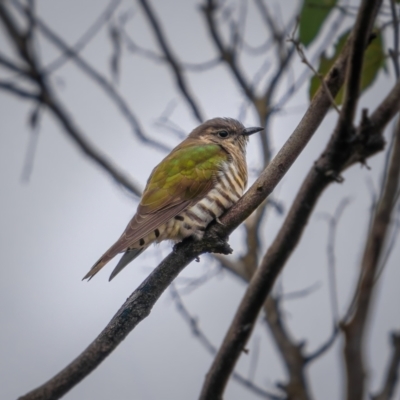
(60, 210)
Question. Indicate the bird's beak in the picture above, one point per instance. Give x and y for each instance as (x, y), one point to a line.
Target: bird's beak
(250, 131)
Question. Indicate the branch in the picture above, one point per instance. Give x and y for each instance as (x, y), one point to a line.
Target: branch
(354, 328)
(323, 348)
(226, 54)
(85, 38)
(333, 221)
(140, 303)
(9, 87)
(289, 235)
(305, 61)
(365, 19)
(392, 373)
(291, 353)
(394, 54)
(12, 67)
(74, 132)
(47, 97)
(133, 47)
(103, 83)
(203, 339)
(171, 59)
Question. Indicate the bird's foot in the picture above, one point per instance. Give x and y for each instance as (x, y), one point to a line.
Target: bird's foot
(219, 221)
(221, 245)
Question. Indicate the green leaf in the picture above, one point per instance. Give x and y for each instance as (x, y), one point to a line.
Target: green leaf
(374, 60)
(312, 16)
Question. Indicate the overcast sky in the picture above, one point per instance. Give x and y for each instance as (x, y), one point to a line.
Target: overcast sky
(55, 224)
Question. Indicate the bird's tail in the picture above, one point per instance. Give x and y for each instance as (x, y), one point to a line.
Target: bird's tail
(129, 256)
(98, 266)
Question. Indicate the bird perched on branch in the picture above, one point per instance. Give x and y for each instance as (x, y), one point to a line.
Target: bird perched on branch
(196, 183)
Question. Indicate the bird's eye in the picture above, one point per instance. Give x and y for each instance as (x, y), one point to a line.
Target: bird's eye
(223, 134)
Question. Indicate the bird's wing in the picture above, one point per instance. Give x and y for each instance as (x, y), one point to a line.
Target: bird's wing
(178, 182)
(185, 176)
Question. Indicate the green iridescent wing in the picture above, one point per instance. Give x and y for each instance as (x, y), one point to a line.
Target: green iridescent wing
(179, 181)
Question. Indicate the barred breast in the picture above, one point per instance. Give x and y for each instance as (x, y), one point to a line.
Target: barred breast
(229, 186)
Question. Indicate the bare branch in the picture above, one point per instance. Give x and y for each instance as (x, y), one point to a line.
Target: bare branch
(102, 19)
(70, 127)
(395, 53)
(365, 19)
(133, 47)
(292, 354)
(289, 235)
(171, 59)
(304, 60)
(293, 88)
(34, 122)
(354, 328)
(270, 22)
(48, 98)
(333, 221)
(11, 66)
(203, 339)
(11, 88)
(323, 348)
(392, 373)
(103, 83)
(227, 55)
(140, 303)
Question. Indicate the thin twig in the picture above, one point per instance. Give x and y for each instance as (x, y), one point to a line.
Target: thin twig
(34, 122)
(333, 221)
(304, 60)
(103, 83)
(47, 98)
(392, 373)
(10, 65)
(206, 343)
(227, 55)
(15, 90)
(171, 60)
(291, 352)
(395, 54)
(81, 43)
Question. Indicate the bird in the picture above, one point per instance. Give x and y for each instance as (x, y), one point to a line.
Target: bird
(193, 185)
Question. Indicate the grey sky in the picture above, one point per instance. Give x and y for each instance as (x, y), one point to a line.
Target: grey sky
(54, 227)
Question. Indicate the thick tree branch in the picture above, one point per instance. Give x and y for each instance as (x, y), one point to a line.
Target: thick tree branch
(139, 304)
(355, 328)
(324, 172)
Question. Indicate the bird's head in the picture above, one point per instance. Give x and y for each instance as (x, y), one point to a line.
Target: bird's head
(227, 132)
